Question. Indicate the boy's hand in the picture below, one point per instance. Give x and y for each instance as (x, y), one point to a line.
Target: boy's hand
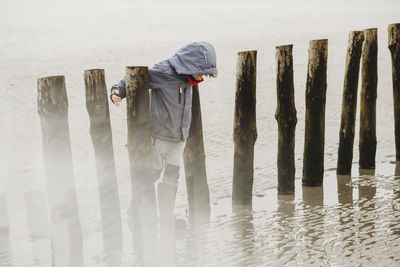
(116, 99)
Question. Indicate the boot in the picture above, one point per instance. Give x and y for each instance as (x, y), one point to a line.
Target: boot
(166, 201)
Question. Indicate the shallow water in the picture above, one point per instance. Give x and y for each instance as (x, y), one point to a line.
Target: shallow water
(353, 222)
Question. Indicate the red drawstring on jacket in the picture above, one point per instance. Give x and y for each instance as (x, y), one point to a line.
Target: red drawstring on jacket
(195, 82)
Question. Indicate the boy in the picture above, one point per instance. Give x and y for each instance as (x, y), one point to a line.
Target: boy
(171, 83)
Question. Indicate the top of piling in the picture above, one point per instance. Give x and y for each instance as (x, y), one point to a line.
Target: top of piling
(394, 34)
(51, 78)
(94, 70)
(284, 46)
(249, 51)
(136, 67)
(319, 41)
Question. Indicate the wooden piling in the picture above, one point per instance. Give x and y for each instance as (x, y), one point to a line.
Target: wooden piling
(53, 111)
(194, 159)
(100, 132)
(139, 134)
(286, 117)
(244, 130)
(140, 155)
(369, 76)
(394, 47)
(349, 103)
(314, 141)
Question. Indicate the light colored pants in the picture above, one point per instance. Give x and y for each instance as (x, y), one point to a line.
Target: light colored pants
(167, 158)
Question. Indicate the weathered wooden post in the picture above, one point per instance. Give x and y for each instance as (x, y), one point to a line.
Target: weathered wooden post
(100, 131)
(194, 159)
(244, 130)
(53, 111)
(140, 156)
(369, 76)
(349, 103)
(314, 141)
(286, 117)
(394, 47)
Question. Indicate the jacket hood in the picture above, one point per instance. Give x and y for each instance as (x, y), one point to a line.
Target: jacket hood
(195, 58)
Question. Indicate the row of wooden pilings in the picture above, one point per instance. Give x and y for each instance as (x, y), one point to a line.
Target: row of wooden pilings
(361, 45)
(53, 111)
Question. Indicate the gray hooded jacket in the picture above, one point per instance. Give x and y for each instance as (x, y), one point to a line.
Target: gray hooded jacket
(171, 94)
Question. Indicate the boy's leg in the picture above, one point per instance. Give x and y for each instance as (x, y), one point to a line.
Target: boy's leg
(166, 192)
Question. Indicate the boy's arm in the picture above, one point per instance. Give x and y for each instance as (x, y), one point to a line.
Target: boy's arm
(121, 87)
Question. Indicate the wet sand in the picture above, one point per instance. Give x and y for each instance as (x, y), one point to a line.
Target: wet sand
(349, 221)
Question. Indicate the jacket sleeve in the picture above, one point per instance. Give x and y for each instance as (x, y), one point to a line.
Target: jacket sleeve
(121, 87)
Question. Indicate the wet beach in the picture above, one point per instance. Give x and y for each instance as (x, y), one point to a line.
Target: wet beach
(349, 221)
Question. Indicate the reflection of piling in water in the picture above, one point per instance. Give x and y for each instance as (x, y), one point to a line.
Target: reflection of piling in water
(243, 228)
(100, 131)
(143, 205)
(366, 192)
(349, 103)
(244, 129)
(346, 216)
(394, 225)
(195, 166)
(5, 249)
(37, 215)
(53, 112)
(313, 221)
(313, 196)
(345, 189)
(394, 47)
(285, 217)
(397, 169)
(314, 141)
(369, 76)
(286, 117)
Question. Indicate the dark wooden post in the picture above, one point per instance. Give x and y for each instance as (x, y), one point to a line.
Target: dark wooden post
(394, 47)
(286, 117)
(244, 129)
(369, 76)
(314, 141)
(100, 131)
(349, 103)
(53, 111)
(140, 156)
(194, 159)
